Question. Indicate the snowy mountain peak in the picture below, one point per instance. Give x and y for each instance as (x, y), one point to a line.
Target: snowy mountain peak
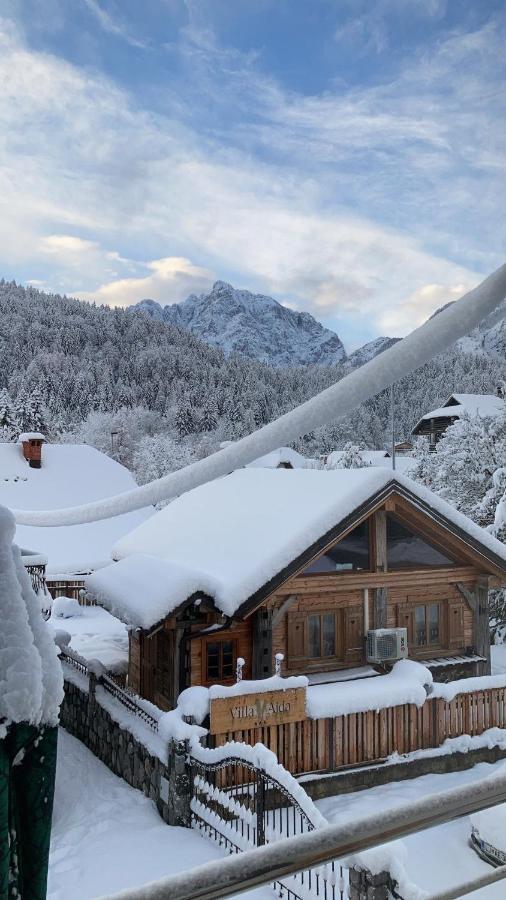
(253, 325)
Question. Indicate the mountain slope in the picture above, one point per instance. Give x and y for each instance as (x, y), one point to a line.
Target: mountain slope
(252, 325)
(369, 351)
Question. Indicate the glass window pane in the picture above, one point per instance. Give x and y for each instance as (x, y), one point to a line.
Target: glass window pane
(434, 623)
(213, 660)
(350, 554)
(314, 650)
(329, 634)
(227, 648)
(405, 549)
(420, 631)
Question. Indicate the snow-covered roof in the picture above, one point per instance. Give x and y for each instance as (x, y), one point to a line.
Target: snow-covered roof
(370, 458)
(230, 537)
(141, 590)
(281, 457)
(70, 474)
(473, 404)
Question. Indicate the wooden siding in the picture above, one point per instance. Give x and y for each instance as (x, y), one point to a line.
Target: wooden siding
(319, 745)
(134, 661)
(404, 591)
(240, 633)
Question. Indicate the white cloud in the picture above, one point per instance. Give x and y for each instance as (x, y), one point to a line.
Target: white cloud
(89, 181)
(171, 280)
(65, 244)
(420, 305)
(113, 25)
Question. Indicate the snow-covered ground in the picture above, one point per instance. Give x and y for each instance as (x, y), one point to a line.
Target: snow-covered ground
(95, 634)
(498, 652)
(438, 858)
(107, 836)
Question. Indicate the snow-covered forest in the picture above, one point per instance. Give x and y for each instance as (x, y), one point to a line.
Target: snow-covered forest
(83, 373)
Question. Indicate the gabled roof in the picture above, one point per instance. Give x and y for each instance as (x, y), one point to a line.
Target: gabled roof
(283, 456)
(237, 538)
(71, 474)
(482, 405)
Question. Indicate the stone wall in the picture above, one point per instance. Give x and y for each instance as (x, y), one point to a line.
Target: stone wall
(82, 716)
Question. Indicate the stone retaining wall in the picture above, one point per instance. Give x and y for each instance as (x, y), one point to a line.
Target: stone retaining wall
(83, 717)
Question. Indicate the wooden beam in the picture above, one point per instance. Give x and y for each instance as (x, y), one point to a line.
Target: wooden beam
(380, 564)
(468, 596)
(477, 598)
(482, 625)
(356, 581)
(261, 657)
(285, 606)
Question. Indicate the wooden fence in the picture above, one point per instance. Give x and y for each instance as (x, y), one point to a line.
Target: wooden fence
(321, 745)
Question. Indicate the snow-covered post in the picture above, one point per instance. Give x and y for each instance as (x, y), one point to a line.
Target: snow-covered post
(179, 788)
(238, 669)
(278, 662)
(366, 886)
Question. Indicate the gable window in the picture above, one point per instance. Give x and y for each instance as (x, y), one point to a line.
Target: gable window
(220, 660)
(406, 549)
(426, 625)
(351, 554)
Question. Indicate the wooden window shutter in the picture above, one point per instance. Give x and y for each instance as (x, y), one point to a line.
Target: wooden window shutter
(354, 634)
(296, 643)
(455, 624)
(404, 620)
(354, 628)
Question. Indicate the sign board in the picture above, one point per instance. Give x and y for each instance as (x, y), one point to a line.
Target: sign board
(244, 711)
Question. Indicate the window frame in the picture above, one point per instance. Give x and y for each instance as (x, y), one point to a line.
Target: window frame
(320, 614)
(431, 543)
(356, 572)
(427, 650)
(220, 678)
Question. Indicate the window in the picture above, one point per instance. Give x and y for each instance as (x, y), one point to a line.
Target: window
(321, 635)
(351, 554)
(405, 549)
(220, 660)
(426, 625)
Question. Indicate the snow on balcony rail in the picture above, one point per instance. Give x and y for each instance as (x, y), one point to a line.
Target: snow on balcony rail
(425, 342)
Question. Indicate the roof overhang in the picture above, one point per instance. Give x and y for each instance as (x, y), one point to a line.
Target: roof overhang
(492, 564)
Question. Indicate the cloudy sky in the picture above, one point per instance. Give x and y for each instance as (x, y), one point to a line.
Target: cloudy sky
(344, 156)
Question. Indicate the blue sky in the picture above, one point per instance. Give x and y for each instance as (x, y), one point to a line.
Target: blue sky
(346, 157)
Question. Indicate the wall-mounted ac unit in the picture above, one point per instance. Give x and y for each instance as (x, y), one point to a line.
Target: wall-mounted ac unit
(387, 644)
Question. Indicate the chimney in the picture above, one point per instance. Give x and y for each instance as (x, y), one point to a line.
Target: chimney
(31, 442)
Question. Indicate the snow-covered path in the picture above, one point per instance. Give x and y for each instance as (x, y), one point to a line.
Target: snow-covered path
(440, 857)
(108, 836)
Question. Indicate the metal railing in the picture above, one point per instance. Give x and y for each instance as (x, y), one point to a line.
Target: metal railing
(239, 805)
(273, 862)
(128, 700)
(122, 694)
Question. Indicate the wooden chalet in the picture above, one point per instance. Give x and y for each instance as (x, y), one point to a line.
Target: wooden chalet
(434, 423)
(302, 563)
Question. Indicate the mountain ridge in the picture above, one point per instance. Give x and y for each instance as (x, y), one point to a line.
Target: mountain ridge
(253, 325)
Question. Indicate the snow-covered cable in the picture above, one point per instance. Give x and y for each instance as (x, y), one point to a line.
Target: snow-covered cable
(417, 348)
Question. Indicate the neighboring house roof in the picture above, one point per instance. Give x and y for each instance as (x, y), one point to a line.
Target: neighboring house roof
(237, 538)
(369, 457)
(483, 405)
(70, 475)
(382, 458)
(283, 456)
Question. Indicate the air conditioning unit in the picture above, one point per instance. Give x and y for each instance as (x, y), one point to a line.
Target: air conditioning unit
(387, 644)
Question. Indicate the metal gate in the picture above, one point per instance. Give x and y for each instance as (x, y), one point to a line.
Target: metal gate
(240, 804)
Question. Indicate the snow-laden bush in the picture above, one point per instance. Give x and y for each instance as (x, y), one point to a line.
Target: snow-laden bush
(65, 608)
